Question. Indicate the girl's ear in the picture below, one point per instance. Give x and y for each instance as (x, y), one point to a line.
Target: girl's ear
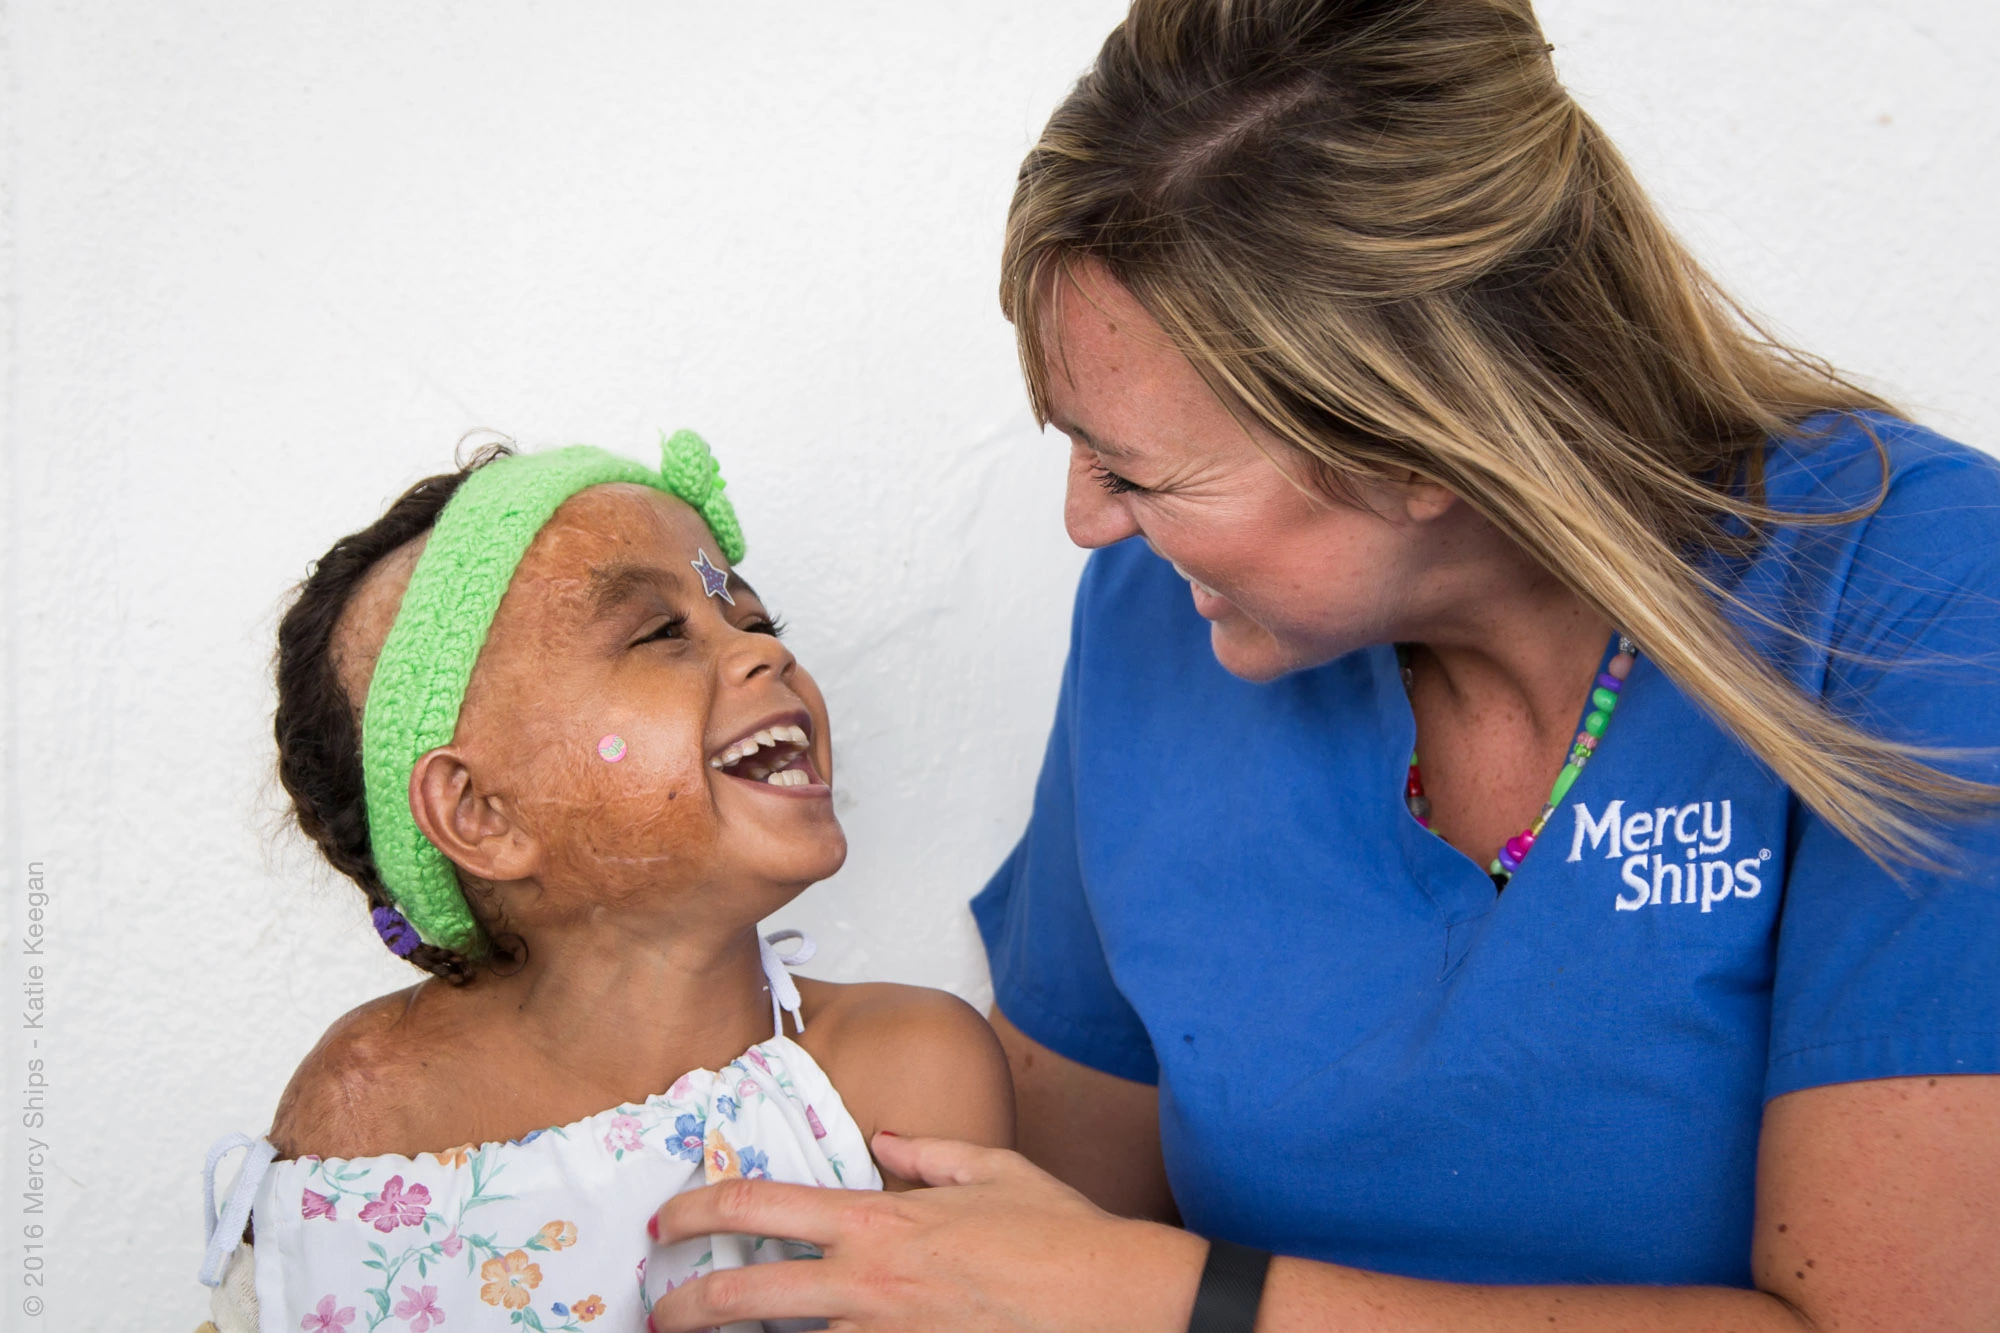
(471, 827)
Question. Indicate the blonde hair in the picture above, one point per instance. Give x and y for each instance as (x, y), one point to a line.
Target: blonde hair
(1387, 230)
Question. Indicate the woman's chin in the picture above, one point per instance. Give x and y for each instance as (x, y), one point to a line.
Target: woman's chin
(1248, 650)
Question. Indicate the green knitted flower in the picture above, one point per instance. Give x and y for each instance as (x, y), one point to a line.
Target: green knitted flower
(427, 660)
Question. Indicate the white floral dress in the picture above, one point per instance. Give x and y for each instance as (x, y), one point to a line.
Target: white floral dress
(547, 1232)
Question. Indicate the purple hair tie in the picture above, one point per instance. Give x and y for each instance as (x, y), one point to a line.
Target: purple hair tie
(396, 931)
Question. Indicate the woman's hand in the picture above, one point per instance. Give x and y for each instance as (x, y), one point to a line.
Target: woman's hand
(993, 1243)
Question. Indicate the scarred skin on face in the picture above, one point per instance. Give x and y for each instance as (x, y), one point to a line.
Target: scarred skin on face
(605, 631)
(635, 887)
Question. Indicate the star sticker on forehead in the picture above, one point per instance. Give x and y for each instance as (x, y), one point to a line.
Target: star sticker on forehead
(713, 581)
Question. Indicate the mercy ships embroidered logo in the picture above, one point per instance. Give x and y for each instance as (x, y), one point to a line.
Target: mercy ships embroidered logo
(1670, 854)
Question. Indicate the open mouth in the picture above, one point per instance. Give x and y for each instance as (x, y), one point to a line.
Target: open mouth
(1192, 579)
(778, 755)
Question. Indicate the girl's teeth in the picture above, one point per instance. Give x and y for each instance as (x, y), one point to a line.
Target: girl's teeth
(749, 745)
(788, 777)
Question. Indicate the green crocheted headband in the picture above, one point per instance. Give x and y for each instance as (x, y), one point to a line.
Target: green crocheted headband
(427, 660)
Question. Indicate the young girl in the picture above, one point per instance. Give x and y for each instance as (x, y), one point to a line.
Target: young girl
(536, 715)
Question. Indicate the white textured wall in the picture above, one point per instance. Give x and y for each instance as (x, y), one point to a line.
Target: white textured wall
(267, 262)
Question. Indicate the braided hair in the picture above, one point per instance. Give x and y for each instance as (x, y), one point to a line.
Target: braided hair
(317, 724)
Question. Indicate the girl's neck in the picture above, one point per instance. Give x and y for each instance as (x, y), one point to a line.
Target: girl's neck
(631, 1011)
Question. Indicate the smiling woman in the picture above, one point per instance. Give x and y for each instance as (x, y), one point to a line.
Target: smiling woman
(1518, 838)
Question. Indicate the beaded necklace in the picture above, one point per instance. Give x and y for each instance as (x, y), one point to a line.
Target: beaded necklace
(1603, 702)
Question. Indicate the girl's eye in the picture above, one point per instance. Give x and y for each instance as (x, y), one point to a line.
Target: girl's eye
(1111, 481)
(770, 625)
(672, 629)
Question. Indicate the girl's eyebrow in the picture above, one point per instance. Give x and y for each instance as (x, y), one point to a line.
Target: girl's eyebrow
(614, 585)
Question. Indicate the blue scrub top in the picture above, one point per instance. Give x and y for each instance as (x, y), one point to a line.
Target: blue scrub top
(1366, 1055)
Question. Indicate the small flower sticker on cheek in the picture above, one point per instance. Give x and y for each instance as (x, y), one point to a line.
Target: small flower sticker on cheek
(611, 749)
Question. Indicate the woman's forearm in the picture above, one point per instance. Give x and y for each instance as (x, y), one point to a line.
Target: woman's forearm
(1874, 1212)
(1307, 1297)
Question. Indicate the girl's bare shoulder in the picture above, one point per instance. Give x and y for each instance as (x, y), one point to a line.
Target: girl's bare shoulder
(911, 1059)
(376, 1082)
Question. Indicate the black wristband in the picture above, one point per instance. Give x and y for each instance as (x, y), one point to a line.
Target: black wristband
(1232, 1287)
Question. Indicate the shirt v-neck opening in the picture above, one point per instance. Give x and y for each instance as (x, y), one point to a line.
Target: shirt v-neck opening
(1407, 720)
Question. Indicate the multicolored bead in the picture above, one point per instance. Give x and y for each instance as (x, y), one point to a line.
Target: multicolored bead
(1564, 781)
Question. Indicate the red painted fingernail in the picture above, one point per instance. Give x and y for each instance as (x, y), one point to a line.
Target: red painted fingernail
(888, 1133)
(653, 1230)
(649, 1323)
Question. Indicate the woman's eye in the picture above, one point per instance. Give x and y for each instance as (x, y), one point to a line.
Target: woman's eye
(672, 629)
(1111, 481)
(770, 625)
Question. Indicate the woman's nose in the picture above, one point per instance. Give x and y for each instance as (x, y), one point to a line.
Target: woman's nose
(1093, 515)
